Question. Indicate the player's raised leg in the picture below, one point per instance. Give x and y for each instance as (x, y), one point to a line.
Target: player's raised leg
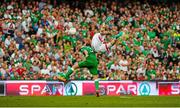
(71, 70)
(113, 41)
(66, 76)
(82, 64)
(101, 45)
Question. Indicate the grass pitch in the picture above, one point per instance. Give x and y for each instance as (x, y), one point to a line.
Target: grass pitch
(90, 101)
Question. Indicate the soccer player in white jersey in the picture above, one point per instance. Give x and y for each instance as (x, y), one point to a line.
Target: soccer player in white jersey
(98, 41)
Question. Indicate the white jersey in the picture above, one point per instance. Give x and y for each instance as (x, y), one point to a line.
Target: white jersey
(98, 43)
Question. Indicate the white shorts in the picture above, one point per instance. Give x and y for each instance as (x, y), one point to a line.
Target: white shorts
(100, 47)
(98, 43)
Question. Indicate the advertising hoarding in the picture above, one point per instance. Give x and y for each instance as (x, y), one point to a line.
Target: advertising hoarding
(146, 88)
(73, 88)
(117, 88)
(34, 88)
(111, 88)
(80, 88)
(2, 88)
(169, 88)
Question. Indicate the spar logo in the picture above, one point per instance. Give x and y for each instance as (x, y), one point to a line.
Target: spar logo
(144, 88)
(111, 88)
(175, 89)
(71, 89)
(41, 89)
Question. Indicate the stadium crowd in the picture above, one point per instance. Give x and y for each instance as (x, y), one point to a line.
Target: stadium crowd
(39, 39)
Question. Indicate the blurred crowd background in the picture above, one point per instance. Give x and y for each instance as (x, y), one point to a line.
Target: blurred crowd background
(39, 39)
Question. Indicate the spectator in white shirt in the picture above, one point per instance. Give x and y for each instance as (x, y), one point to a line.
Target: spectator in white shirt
(115, 66)
(68, 23)
(141, 69)
(11, 25)
(123, 63)
(1, 52)
(44, 70)
(8, 41)
(154, 51)
(10, 6)
(88, 12)
(25, 27)
(7, 14)
(40, 31)
(25, 11)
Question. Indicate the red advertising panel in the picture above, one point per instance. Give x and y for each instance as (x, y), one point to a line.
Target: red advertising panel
(169, 88)
(111, 88)
(33, 88)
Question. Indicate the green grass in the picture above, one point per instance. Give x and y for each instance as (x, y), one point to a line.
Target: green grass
(90, 101)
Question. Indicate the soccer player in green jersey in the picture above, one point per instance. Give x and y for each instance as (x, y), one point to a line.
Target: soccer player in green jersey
(90, 62)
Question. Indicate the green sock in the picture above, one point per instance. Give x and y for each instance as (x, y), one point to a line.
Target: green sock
(96, 84)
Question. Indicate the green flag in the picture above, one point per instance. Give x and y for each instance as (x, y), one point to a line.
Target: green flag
(108, 19)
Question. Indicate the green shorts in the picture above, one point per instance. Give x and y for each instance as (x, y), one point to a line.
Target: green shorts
(90, 64)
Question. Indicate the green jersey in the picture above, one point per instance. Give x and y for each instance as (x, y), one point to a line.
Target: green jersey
(88, 49)
(91, 61)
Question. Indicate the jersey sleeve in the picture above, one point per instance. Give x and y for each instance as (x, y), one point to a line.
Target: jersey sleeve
(87, 48)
